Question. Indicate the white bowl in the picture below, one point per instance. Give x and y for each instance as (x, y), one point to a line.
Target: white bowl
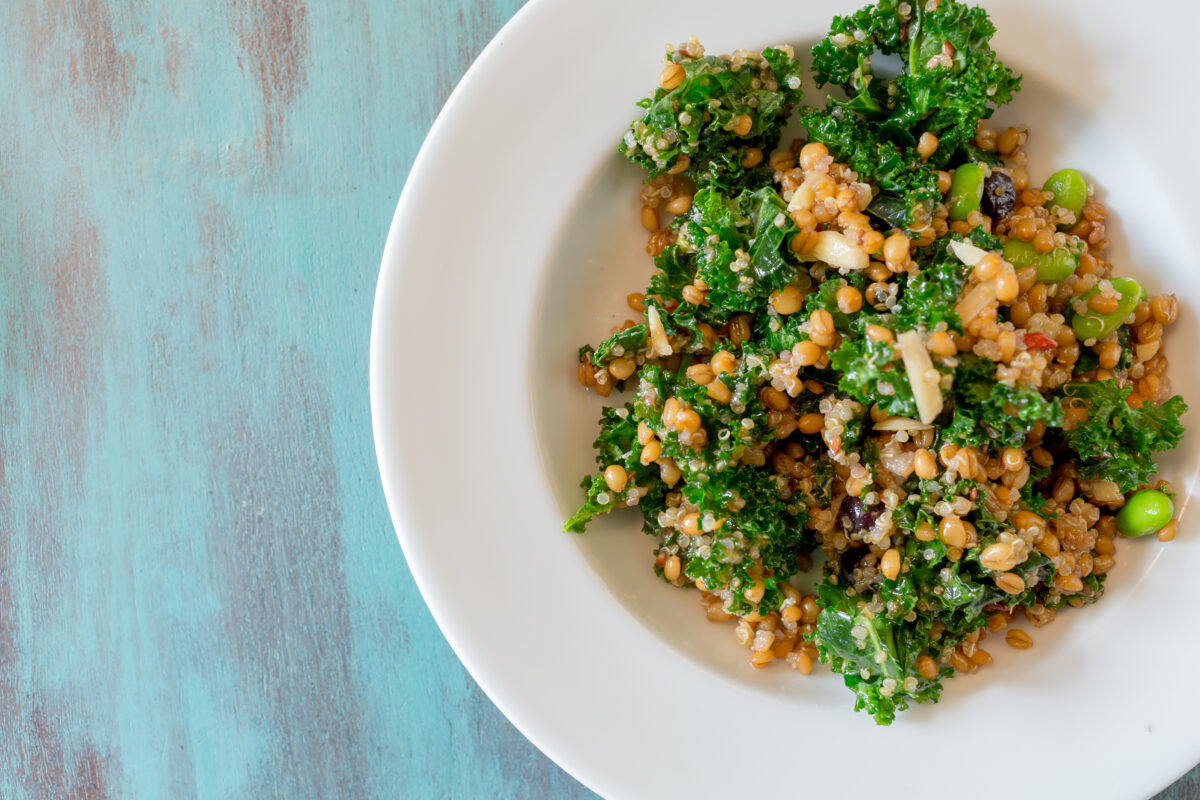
(516, 240)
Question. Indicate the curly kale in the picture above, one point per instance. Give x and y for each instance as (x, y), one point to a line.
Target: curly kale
(950, 80)
(1117, 442)
(989, 413)
(696, 119)
(737, 246)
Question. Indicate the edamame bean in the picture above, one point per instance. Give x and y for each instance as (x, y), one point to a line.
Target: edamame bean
(1052, 267)
(966, 191)
(1069, 189)
(1144, 513)
(1096, 326)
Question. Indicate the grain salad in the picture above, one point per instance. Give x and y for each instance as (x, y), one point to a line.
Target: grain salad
(886, 354)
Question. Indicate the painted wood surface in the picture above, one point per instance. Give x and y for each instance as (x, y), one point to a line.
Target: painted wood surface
(201, 594)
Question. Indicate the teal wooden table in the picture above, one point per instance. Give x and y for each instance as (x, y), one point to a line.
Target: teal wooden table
(201, 594)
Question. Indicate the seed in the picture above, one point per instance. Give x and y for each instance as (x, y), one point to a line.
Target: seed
(1165, 309)
(1068, 583)
(982, 658)
(719, 392)
(925, 532)
(649, 219)
(1008, 141)
(878, 333)
(690, 524)
(671, 76)
(1043, 242)
(742, 124)
(811, 423)
(1149, 331)
(806, 353)
(671, 569)
(1014, 459)
(952, 532)
(1026, 228)
(752, 157)
(987, 267)
(811, 153)
(681, 164)
(679, 204)
(820, 323)
(998, 557)
(775, 400)
(1049, 545)
(927, 145)
(650, 452)
(1109, 352)
(924, 465)
(701, 374)
(895, 249)
(890, 564)
(1007, 285)
(939, 343)
(1018, 638)
(803, 662)
(636, 301)
(1028, 519)
(927, 667)
(1168, 532)
(688, 421)
(960, 662)
(782, 161)
(849, 299)
(723, 361)
(787, 300)
(1103, 304)
(669, 472)
(621, 368)
(616, 477)
(692, 294)
(1010, 582)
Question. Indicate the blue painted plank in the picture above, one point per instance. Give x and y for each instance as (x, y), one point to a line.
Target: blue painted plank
(200, 591)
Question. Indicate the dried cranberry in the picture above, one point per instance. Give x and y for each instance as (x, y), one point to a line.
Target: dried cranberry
(999, 196)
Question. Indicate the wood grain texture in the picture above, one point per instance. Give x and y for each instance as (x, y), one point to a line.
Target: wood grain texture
(201, 594)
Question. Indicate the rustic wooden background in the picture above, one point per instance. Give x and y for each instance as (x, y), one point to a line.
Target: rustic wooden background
(200, 590)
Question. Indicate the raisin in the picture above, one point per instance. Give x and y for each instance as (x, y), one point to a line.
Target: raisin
(999, 196)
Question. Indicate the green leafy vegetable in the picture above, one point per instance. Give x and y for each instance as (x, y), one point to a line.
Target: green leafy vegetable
(697, 118)
(1117, 442)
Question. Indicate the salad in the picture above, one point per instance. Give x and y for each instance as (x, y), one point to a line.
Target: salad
(886, 355)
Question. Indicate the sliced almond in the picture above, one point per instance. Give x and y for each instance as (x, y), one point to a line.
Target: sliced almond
(922, 376)
(966, 252)
(976, 300)
(835, 250)
(658, 335)
(901, 424)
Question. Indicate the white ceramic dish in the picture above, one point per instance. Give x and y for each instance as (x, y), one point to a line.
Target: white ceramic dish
(516, 239)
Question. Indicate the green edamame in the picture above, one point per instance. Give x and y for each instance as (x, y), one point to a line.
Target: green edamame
(1144, 513)
(1069, 188)
(966, 191)
(1057, 265)
(1096, 326)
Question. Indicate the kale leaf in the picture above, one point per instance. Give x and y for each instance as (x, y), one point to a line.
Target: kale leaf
(987, 412)
(1117, 442)
(695, 119)
(950, 80)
